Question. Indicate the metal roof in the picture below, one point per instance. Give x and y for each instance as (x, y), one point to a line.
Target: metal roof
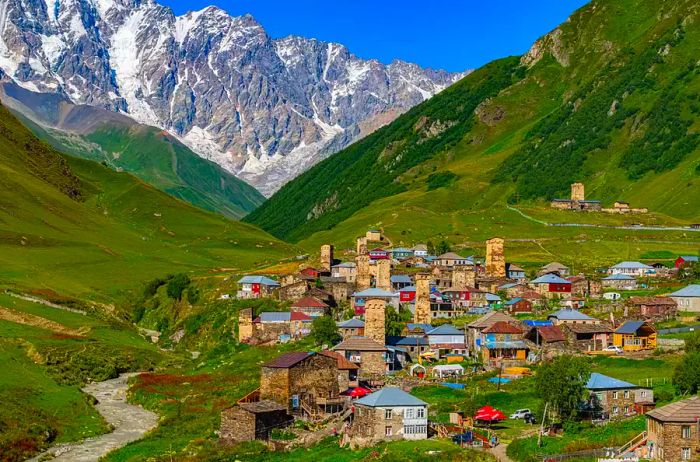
(690, 257)
(515, 344)
(603, 382)
(309, 302)
(445, 329)
(345, 264)
(401, 278)
(550, 279)
(631, 265)
(424, 326)
(288, 360)
(692, 290)
(283, 316)
(258, 280)
(513, 301)
(502, 327)
(631, 327)
(619, 277)
(408, 289)
(390, 397)
(406, 341)
(492, 297)
(351, 323)
(568, 314)
(373, 292)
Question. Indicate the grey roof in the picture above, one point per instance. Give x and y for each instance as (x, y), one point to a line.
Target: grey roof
(619, 277)
(420, 247)
(373, 292)
(424, 326)
(631, 265)
(690, 257)
(275, 316)
(353, 323)
(451, 256)
(406, 341)
(629, 327)
(692, 290)
(550, 279)
(685, 411)
(492, 297)
(568, 314)
(408, 289)
(603, 382)
(401, 249)
(345, 264)
(554, 266)
(358, 343)
(399, 278)
(390, 397)
(258, 280)
(445, 329)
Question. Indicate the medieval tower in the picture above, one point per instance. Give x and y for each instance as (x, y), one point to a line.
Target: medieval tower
(361, 245)
(495, 258)
(578, 192)
(363, 278)
(245, 325)
(326, 258)
(375, 314)
(421, 314)
(383, 276)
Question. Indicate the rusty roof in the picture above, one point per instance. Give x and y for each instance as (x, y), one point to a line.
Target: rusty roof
(686, 411)
(287, 360)
(343, 363)
(492, 318)
(502, 327)
(551, 333)
(309, 302)
(588, 328)
(357, 343)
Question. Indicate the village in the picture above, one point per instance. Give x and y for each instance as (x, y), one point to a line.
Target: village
(400, 318)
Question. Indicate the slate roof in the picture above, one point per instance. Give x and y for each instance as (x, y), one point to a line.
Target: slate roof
(258, 280)
(424, 327)
(265, 405)
(445, 329)
(491, 318)
(345, 264)
(554, 266)
(357, 343)
(686, 411)
(630, 327)
(450, 256)
(401, 278)
(550, 279)
(588, 328)
(692, 290)
(502, 327)
(406, 341)
(309, 302)
(603, 382)
(619, 277)
(351, 324)
(287, 360)
(390, 397)
(373, 292)
(551, 333)
(568, 314)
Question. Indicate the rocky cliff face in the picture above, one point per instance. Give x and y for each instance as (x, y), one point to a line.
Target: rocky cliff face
(265, 109)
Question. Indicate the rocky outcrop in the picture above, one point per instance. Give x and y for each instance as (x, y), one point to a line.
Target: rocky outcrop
(265, 109)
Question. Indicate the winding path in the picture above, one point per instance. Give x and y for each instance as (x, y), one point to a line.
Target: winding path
(130, 423)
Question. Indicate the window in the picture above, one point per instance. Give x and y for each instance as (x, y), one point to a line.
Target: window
(388, 431)
(409, 413)
(615, 410)
(685, 453)
(685, 429)
(420, 413)
(627, 394)
(615, 395)
(388, 414)
(643, 394)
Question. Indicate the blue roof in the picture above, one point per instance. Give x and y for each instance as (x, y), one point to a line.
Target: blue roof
(513, 301)
(692, 290)
(373, 292)
(406, 341)
(408, 289)
(603, 382)
(388, 397)
(631, 265)
(274, 316)
(550, 278)
(537, 323)
(492, 297)
(401, 278)
(619, 277)
(258, 280)
(445, 329)
(401, 249)
(629, 327)
(510, 285)
(413, 325)
(567, 314)
(351, 323)
(690, 257)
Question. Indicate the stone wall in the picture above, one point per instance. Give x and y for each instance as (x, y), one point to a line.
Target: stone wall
(362, 246)
(372, 363)
(383, 278)
(422, 312)
(463, 277)
(495, 258)
(363, 279)
(236, 425)
(246, 328)
(295, 291)
(375, 314)
(669, 442)
(314, 377)
(274, 385)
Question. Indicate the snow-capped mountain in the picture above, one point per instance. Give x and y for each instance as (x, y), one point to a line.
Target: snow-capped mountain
(265, 109)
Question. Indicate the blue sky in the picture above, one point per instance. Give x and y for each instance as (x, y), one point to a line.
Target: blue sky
(447, 34)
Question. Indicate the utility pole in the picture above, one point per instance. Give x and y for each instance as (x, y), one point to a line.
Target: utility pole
(544, 416)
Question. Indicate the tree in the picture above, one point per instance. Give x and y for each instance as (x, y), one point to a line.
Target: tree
(395, 321)
(443, 247)
(431, 248)
(177, 285)
(686, 377)
(562, 383)
(324, 331)
(692, 343)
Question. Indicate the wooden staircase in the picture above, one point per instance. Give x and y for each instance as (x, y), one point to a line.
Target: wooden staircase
(633, 444)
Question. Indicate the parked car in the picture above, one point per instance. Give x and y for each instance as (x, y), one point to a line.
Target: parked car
(520, 414)
(613, 348)
(530, 418)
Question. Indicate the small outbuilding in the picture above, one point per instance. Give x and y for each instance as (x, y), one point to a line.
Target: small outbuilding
(252, 421)
(448, 370)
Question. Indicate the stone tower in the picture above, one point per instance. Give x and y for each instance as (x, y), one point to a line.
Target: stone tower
(245, 325)
(326, 257)
(363, 278)
(361, 245)
(463, 276)
(375, 314)
(422, 312)
(383, 277)
(495, 258)
(578, 192)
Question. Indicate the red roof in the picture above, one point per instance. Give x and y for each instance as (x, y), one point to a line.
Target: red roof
(502, 327)
(309, 302)
(551, 333)
(287, 360)
(297, 316)
(343, 363)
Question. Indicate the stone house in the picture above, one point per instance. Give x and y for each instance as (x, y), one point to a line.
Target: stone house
(414, 346)
(588, 337)
(252, 421)
(310, 306)
(551, 286)
(515, 272)
(672, 431)
(256, 287)
(306, 383)
(351, 328)
(635, 336)
(518, 305)
(347, 371)
(345, 270)
(294, 290)
(373, 235)
(473, 330)
(465, 298)
(688, 298)
(399, 281)
(390, 414)
(275, 324)
(369, 355)
(451, 259)
(503, 341)
(546, 336)
(554, 268)
(655, 308)
(619, 282)
(611, 398)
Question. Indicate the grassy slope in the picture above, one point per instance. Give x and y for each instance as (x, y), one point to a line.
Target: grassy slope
(118, 233)
(473, 207)
(160, 160)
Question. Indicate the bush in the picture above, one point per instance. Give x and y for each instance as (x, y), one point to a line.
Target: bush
(441, 180)
(177, 285)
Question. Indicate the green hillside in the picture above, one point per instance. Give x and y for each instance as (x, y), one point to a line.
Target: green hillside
(78, 228)
(610, 98)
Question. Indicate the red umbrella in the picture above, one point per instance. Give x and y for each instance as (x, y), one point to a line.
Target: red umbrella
(358, 392)
(489, 414)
